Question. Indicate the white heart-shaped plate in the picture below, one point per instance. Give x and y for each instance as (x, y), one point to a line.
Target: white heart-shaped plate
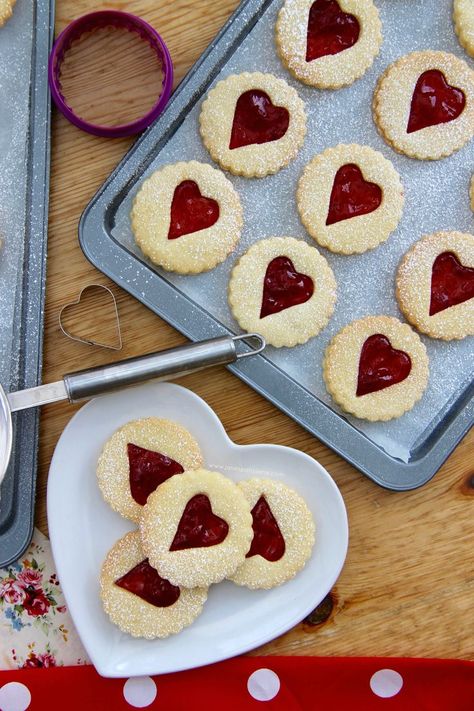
(83, 528)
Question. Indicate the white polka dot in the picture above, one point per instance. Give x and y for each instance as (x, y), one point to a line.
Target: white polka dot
(14, 697)
(386, 683)
(263, 685)
(140, 691)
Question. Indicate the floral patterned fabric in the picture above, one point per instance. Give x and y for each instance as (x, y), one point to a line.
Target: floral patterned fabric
(36, 629)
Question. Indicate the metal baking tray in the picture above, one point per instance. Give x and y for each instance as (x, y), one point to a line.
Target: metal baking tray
(275, 375)
(17, 500)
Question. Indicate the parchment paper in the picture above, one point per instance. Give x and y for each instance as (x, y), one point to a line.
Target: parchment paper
(436, 199)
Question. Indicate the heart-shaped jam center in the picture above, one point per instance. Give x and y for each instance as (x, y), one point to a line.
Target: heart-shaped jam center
(380, 365)
(267, 539)
(147, 470)
(451, 283)
(434, 101)
(283, 287)
(191, 211)
(199, 527)
(257, 120)
(330, 30)
(351, 195)
(147, 583)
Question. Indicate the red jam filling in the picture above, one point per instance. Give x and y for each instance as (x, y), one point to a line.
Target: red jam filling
(451, 283)
(351, 195)
(434, 101)
(267, 539)
(199, 527)
(147, 583)
(330, 30)
(380, 365)
(191, 211)
(257, 120)
(147, 470)
(283, 287)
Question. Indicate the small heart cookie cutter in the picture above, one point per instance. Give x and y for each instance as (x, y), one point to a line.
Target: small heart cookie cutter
(90, 341)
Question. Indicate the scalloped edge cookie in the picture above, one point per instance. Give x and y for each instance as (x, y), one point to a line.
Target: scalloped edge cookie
(153, 433)
(131, 613)
(217, 116)
(293, 325)
(413, 286)
(162, 513)
(356, 234)
(341, 369)
(392, 101)
(463, 16)
(198, 251)
(296, 525)
(331, 71)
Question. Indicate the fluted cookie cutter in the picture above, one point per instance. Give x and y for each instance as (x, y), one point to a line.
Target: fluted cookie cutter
(91, 341)
(98, 20)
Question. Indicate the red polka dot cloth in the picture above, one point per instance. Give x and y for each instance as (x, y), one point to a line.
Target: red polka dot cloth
(250, 683)
(39, 646)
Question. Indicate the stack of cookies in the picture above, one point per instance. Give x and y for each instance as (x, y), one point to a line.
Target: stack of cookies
(196, 528)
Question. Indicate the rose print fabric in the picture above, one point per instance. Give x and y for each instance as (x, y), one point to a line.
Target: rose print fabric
(36, 629)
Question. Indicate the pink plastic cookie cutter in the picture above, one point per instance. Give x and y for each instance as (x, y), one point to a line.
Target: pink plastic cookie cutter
(98, 20)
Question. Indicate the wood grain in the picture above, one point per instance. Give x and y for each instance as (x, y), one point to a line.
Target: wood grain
(408, 583)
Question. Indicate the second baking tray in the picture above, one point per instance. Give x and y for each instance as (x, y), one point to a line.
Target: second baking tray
(31, 32)
(403, 453)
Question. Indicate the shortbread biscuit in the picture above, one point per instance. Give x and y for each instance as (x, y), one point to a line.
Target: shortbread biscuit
(463, 14)
(196, 528)
(283, 289)
(139, 457)
(424, 104)
(138, 599)
(376, 368)
(187, 217)
(253, 124)
(328, 43)
(435, 285)
(283, 534)
(350, 198)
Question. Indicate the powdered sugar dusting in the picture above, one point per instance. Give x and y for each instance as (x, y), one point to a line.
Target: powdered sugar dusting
(332, 70)
(134, 615)
(436, 199)
(15, 62)
(414, 285)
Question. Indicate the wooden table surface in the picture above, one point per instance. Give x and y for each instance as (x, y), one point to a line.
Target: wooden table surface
(408, 583)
